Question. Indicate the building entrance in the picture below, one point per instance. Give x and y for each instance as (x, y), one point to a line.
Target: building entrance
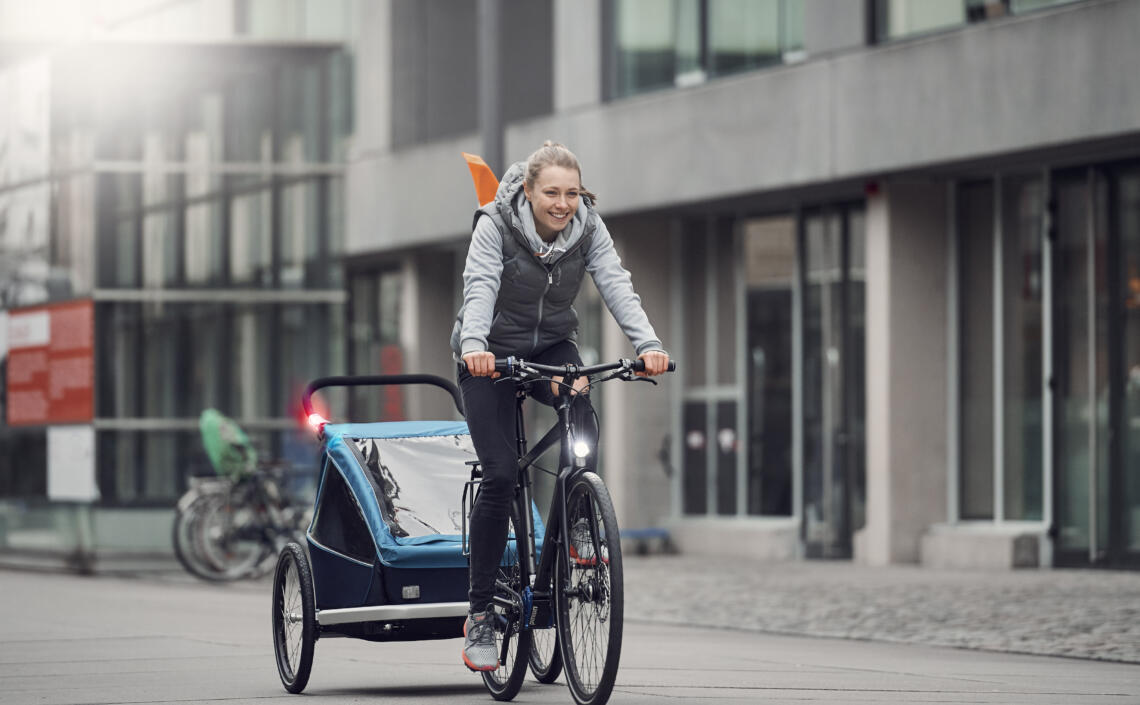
(1096, 263)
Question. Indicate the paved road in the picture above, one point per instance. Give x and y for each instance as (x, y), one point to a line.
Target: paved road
(68, 640)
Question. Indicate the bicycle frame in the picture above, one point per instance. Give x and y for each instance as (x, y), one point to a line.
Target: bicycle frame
(540, 573)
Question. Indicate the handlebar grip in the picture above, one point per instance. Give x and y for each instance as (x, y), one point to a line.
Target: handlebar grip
(639, 366)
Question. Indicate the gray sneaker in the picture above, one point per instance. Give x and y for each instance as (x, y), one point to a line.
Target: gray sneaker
(479, 652)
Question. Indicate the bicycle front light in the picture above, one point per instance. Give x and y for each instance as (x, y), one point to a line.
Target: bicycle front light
(581, 449)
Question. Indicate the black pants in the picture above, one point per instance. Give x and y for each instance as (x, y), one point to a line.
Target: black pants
(490, 411)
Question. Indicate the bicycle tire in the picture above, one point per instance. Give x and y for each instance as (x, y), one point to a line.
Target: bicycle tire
(505, 682)
(184, 539)
(589, 596)
(545, 655)
(294, 618)
(229, 538)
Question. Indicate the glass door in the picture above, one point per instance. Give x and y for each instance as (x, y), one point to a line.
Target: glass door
(833, 364)
(1097, 353)
(1081, 369)
(1124, 514)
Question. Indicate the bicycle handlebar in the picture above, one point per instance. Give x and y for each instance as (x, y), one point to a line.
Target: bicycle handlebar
(513, 366)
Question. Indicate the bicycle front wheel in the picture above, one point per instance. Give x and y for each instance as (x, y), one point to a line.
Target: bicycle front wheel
(589, 598)
(545, 655)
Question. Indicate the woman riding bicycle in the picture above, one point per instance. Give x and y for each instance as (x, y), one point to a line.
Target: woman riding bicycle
(530, 248)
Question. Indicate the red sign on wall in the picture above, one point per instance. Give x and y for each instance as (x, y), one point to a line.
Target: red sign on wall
(51, 363)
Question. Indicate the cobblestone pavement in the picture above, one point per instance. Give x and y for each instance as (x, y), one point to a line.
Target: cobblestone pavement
(1076, 613)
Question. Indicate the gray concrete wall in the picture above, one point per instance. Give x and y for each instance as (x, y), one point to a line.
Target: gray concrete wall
(435, 280)
(907, 355)
(636, 416)
(372, 104)
(831, 26)
(411, 197)
(1045, 78)
(577, 54)
(434, 67)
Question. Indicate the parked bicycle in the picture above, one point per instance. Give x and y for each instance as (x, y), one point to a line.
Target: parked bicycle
(230, 526)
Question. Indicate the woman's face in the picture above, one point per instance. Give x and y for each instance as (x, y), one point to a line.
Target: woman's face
(554, 199)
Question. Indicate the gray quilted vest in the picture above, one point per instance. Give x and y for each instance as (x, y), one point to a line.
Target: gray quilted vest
(534, 308)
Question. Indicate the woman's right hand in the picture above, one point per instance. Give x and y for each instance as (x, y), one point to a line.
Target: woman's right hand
(481, 364)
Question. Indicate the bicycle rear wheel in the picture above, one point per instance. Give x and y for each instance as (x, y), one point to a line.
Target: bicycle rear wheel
(589, 596)
(504, 682)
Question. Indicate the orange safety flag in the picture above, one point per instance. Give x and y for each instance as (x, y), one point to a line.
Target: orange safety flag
(485, 182)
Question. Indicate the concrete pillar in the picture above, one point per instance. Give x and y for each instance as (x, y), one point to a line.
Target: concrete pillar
(433, 286)
(577, 53)
(372, 134)
(907, 355)
(636, 416)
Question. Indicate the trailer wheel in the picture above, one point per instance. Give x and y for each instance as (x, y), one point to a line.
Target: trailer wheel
(294, 617)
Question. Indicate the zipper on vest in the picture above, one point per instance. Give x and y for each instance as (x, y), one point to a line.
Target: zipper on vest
(541, 304)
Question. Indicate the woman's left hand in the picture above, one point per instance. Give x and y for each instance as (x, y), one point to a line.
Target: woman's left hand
(656, 362)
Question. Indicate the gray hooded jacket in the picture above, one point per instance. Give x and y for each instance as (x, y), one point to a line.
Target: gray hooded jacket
(535, 310)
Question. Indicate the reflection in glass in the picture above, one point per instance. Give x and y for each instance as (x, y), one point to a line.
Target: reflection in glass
(726, 451)
(833, 339)
(694, 485)
(694, 273)
(743, 34)
(680, 42)
(1076, 396)
(655, 42)
(1022, 347)
(900, 18)
(1127, 205)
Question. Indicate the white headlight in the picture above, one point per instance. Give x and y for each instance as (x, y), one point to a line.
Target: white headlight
(581, 449)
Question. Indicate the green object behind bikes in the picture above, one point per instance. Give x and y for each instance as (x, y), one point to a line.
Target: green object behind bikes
(227, 446)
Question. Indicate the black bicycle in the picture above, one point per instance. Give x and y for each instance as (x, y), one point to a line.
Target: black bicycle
(571, 584)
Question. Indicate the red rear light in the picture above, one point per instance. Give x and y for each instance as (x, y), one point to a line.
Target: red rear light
(317, 422)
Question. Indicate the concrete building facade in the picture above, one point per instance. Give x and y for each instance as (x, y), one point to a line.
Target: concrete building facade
(853, 248)
(894, 247)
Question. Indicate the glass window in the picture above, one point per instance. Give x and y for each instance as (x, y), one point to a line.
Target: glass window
(1017, 6)
(656, 42)
(743, 34)
(976, 305)
(1022, 205)
(118, 249)
(770, 260)
(833, 370)
(895, 19)
(680, 42)
(251, 232)
(1078, 352)
(694, 270)
(1126, 203)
